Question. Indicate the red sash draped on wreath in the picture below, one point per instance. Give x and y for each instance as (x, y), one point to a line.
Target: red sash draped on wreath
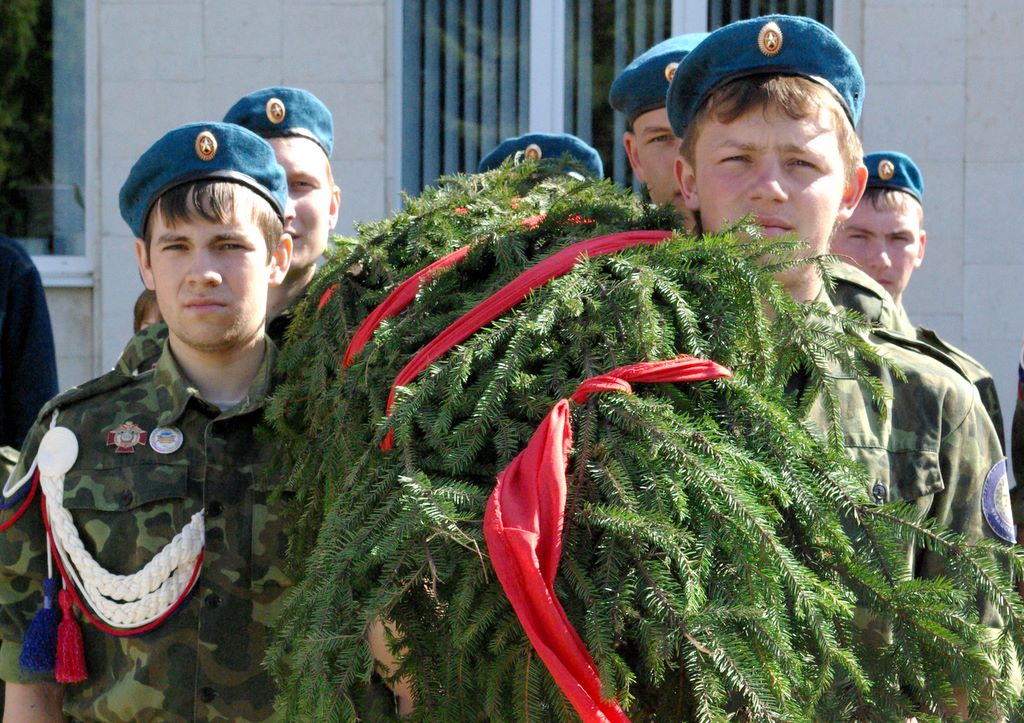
(525, 513)
(523, 528)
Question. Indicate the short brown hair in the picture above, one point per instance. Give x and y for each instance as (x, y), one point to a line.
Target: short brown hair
(890, 199)
(215, 201)
(144, 305)
(795, 96)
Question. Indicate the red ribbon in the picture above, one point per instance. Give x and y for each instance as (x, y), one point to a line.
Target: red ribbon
(523, 528)
(326, 296)
(401, 297)
(24, 505)
(489, 309)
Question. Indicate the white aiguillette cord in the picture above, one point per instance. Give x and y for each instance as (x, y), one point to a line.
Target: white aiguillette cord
(120, 601)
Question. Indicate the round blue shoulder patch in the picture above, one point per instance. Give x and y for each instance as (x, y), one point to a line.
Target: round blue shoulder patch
(995, 503)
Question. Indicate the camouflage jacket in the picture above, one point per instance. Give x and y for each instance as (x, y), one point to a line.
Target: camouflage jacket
(853, 289)
(205, 661)
(977, 374)
(8, 460)
(933, 445)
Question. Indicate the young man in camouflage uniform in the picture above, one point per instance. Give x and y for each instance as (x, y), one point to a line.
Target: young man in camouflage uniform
(300, 129)
(160, 448)
(639, 93)
(652, 148)
(766, 110)
(885, 237)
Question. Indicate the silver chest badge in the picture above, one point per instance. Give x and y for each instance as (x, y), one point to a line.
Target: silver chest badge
(166, 440)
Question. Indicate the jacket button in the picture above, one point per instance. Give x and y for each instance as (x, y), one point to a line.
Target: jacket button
(126, 498)
(213, 601)
(879, 493)
(208, 694)
(214, 509)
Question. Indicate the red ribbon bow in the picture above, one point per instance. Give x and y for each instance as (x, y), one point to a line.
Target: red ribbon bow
(523, 525)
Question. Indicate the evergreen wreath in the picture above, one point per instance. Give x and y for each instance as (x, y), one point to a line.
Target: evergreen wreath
(719, 557)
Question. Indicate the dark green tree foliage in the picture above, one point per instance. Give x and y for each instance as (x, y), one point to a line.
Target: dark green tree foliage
(26, 112)
(715, 550)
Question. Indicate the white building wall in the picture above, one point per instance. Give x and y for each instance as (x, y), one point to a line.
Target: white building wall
(945, 84)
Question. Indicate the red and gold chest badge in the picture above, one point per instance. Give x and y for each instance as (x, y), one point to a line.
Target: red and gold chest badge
(126, 437)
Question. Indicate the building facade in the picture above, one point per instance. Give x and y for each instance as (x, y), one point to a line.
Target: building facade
(411, 99)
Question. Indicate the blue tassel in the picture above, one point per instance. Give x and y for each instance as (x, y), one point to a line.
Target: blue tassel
(39, 648)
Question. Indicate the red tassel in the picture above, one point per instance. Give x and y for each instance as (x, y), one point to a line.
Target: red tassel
(70, 667)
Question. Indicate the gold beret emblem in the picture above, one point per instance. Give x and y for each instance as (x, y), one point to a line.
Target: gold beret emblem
(886, 169)
(533, 152)
(670, 71)
(275, 110)
(206, 146)
(769, 40)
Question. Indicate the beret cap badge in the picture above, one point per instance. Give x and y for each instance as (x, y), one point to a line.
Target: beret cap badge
(533, 152)
(670, 71)
(275, 110)
(206, 146)
(886, 169)
(769, 40)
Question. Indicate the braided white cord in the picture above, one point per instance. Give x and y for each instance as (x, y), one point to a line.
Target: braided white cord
(140, 612)
(148, 593)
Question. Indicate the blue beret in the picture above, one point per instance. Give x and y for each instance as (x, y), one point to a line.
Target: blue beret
(281, 112)
(643, 84)
(545, 145)
(769, 45)
(197, 152)
(894, 170)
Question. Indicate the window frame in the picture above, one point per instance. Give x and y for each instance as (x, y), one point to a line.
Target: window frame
(547, 49)
(79, 270)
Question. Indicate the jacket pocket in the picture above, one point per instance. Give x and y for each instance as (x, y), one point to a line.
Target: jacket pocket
(909, 475)
(126, 515)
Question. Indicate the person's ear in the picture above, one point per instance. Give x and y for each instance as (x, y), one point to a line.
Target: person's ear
(632, 146)
(280, 260)
(920, 250)
(335, 210)
(145, 268)
(852, 193)
(686, 179)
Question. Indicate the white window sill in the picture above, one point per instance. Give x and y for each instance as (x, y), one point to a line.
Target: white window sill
(65, 271)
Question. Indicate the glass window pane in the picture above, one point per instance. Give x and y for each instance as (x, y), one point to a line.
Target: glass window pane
(465, 83)
(42, 125)
(601, 39)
